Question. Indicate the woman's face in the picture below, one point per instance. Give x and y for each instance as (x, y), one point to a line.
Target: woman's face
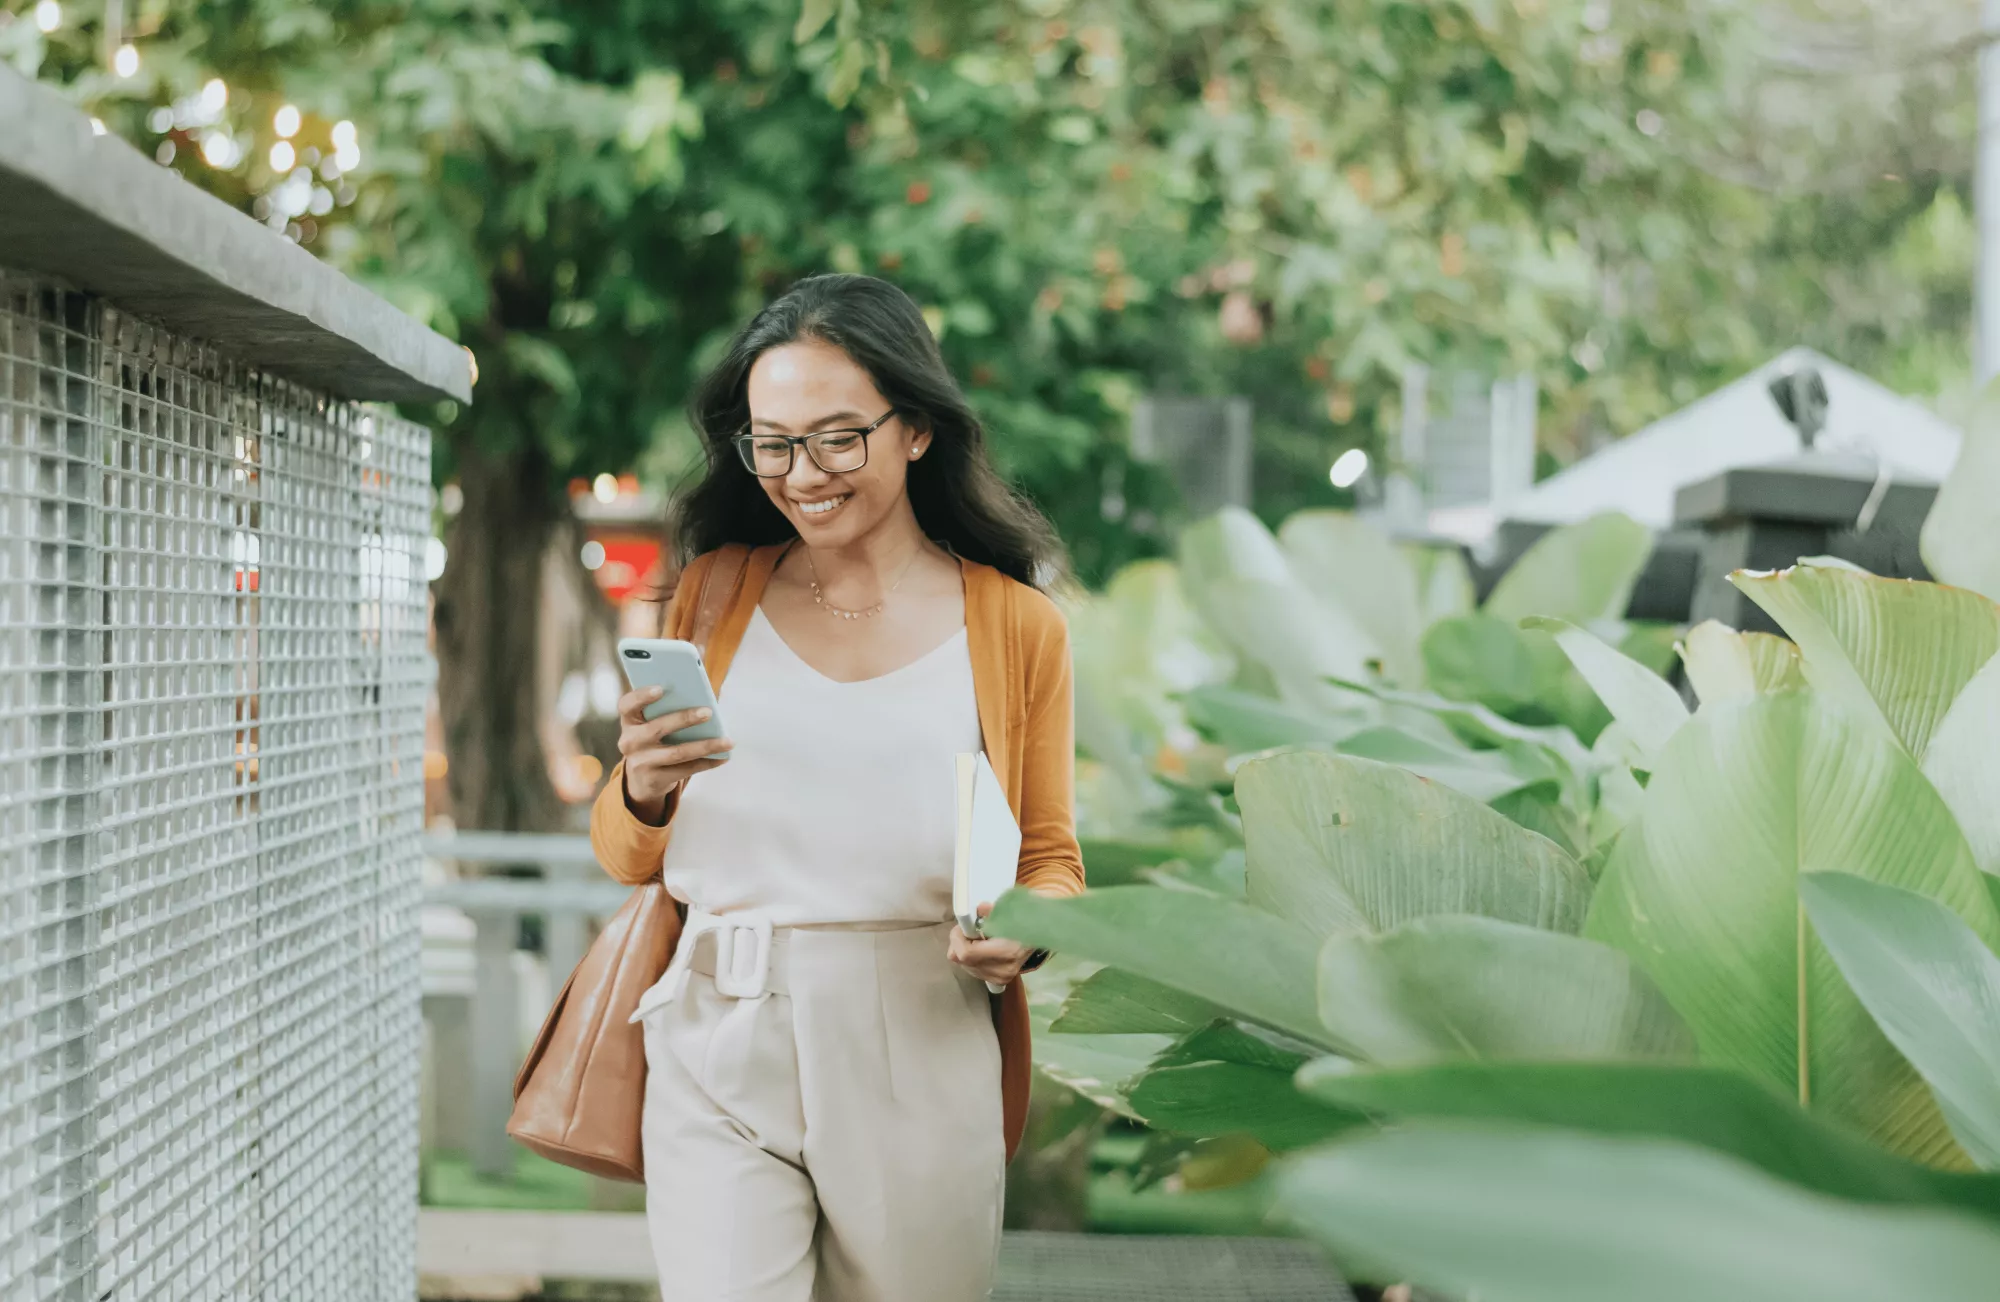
(810, 387)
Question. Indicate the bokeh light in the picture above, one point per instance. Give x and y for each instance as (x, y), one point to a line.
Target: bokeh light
(1348, 468)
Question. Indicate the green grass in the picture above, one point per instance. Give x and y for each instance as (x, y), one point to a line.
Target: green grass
(1116, 1208)
(536, 1185)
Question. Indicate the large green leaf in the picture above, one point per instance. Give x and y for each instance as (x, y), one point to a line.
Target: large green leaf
(1229, 546)
(1239, 1042)
(1484, 775)
(1710, 1106)
(1102, 1068)
(1561, 694)
(1919, 658)
(1648, 711)
(1541, 808)
(1244, 721)
(1580, 572)
(1703, 892)
(1112, 1001)
(1098, 1067)
(1230, 1098)
(1963, 763)
(1338, 844)
(1299, 641)
(1517, 672)
(1932, 987)
(1240, 579)
(1482, 659)
(1619, 800)
(1725, 665)
(1136, 646)
(1465, 987)
(1655, 646)
(1534, 1215)
(1347, 562)
(1476, 725)
(1247, 961)
(1444, 581)
(1109, 862)
(1960, 544)
(1895, 651)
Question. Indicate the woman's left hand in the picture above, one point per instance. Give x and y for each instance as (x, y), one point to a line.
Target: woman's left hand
(996, 961)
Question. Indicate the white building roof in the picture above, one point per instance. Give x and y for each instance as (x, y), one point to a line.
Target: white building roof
(1740, 425)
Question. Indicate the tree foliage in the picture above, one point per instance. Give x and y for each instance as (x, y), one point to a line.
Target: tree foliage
(1093, 199)
(1291, 198)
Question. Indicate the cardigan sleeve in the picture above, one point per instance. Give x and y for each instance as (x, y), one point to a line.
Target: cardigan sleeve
(1051, 861)
(627, 848)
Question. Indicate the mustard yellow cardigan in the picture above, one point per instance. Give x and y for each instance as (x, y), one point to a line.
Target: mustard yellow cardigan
(1021, 677)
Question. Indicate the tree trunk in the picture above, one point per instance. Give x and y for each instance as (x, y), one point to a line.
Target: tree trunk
(488, 603)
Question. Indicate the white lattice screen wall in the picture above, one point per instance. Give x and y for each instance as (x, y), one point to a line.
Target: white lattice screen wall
(212, 611)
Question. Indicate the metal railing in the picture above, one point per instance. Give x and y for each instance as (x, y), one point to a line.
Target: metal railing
(569, 891)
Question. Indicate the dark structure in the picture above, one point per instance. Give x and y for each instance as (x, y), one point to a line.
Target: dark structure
(1821, 502)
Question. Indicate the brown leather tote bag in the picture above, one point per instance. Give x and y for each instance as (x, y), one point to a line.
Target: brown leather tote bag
(579, 1094)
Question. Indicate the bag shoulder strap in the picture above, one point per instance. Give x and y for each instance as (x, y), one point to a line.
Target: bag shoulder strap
(719, 582)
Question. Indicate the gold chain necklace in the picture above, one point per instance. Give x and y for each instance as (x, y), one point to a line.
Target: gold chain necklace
(819, 596)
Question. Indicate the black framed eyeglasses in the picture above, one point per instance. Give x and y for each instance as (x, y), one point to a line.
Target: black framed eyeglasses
(836, 451)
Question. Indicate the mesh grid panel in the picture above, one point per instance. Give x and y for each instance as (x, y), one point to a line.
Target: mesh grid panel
(212, 612)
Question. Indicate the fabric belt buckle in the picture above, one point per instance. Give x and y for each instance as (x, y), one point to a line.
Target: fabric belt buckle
(740, 974)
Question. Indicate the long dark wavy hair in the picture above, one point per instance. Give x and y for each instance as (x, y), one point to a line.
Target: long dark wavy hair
(960, 499)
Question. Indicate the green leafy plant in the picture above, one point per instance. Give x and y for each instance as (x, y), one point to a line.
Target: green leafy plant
(1768, 1024)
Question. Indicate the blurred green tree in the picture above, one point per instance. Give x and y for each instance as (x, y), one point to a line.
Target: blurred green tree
(1093, 198)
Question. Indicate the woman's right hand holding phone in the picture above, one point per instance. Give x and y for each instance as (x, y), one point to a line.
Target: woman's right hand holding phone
(655, 767)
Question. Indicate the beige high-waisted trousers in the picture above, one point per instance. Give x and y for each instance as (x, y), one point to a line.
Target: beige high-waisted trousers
(834, 1138)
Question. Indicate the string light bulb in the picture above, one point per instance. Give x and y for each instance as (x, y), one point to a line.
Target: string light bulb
(287, 123)
(48, 16)
(1348, 468)
(283, 156)
(219, 150)
(346, 146)
(126, 62)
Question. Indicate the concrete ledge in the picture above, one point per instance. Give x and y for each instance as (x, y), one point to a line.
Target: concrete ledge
(1814, 488)
(507, 1254)
(94, 212)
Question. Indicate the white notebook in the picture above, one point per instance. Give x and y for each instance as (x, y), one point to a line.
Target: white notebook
(989, 842)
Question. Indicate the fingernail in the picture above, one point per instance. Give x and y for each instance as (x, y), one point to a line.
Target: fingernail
(703, 716)
(655, 692)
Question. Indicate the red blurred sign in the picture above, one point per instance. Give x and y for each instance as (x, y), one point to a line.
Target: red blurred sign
(630, 563)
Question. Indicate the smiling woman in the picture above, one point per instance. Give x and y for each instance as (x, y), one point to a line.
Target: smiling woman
(831, 1118)
(842, 351)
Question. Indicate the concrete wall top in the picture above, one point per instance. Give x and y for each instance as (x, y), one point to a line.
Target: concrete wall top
(93, 211)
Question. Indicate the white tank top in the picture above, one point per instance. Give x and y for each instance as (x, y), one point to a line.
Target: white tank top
(839, 801)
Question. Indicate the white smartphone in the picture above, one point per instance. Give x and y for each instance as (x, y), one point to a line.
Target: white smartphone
(676, 669)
